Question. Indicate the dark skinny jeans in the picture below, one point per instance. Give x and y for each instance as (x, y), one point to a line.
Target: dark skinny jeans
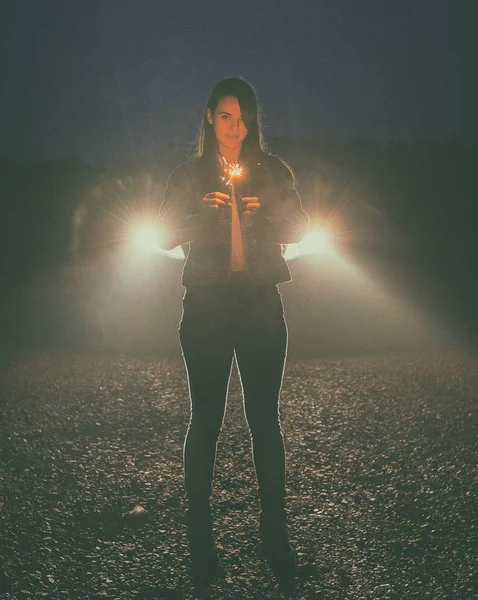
(218, 321)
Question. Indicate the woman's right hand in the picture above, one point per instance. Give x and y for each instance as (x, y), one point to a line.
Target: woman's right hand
(214, 200)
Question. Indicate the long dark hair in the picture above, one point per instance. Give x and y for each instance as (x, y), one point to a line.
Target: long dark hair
(253, 144)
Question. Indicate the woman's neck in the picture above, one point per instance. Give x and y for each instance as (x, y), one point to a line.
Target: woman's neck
(230, 154)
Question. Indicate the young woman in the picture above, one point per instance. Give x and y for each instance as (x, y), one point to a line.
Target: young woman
(236, 223)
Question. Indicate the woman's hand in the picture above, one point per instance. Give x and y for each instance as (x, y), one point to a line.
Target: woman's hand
(251, 204)
(214, 200)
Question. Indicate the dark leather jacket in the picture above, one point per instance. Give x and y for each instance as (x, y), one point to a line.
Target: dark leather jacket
(280, 220)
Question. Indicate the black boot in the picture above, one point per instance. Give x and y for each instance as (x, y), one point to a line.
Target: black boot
(202, 547)
(276, 549)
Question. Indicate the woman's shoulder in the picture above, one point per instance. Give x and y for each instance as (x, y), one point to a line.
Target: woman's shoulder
(277, 166)
(192, 169)
(186, 167)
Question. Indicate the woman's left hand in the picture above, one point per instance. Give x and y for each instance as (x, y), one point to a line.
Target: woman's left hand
(251, 204)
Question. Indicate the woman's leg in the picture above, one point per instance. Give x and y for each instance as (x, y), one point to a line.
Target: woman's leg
(208, 351)
(261, 350)
(208, 377)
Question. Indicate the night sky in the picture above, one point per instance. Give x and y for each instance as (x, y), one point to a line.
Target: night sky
(106, 80)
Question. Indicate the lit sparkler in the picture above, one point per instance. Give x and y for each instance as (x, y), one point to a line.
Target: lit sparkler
(235, 171)
(232, 171)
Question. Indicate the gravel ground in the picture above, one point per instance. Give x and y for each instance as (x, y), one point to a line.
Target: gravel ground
(382, 466)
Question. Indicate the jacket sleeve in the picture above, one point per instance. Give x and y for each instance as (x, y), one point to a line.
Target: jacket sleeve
(287, 223)
(178, 221)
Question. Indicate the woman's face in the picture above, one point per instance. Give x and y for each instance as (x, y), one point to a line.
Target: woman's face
(228, 125)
